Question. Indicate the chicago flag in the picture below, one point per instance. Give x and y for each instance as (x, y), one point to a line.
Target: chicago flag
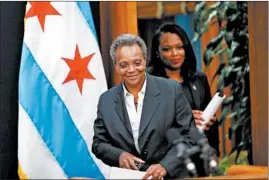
(61, 79)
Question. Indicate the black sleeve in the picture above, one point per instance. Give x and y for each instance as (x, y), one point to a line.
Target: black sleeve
(183, 123)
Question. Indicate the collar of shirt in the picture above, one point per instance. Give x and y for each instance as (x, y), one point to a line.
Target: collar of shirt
(143, 89)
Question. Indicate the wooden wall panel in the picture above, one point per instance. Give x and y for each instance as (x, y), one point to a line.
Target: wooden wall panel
(116, 18)
(146, 10)
(258, 59)
(150, 10)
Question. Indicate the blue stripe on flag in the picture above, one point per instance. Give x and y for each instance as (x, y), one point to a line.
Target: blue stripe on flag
(85, 9)
(53, 121)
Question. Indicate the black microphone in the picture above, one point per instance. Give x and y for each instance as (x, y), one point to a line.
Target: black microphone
(207, 152)
(175, 138)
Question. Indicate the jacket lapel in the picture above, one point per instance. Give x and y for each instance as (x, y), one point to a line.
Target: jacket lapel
(150, 104)
(195, 93)
(121, 109)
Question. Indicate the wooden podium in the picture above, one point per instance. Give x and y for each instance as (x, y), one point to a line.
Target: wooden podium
(234, 172)
(242, 172)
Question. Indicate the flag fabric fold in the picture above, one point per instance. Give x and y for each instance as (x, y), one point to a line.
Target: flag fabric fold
(60, 81)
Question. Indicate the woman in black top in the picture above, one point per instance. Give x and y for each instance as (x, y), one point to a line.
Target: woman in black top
(172, 57)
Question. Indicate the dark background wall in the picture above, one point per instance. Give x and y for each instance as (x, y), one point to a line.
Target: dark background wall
(96, 18)
(147, 27)
(11, 30)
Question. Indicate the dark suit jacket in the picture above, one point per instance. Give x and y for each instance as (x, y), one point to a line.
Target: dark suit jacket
(164, 107)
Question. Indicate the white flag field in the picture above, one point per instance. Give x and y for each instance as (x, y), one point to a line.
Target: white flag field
(61, 79)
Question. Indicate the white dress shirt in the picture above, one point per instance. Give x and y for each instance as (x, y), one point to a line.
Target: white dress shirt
(134, 115)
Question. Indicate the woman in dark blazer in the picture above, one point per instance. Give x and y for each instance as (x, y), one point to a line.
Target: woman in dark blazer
(172, 57)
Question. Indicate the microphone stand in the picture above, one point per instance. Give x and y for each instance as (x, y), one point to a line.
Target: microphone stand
(207, 154)
(185, 154)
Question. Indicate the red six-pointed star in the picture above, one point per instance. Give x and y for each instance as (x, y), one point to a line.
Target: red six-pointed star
(78, 69)
(41, 10)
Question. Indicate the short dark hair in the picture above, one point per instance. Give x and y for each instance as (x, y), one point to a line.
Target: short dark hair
(127, 40)
(188, 67)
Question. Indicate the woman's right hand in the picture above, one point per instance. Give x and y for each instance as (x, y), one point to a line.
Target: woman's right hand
(199, 121)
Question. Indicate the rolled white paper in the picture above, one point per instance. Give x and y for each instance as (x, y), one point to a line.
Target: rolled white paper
(211, 109)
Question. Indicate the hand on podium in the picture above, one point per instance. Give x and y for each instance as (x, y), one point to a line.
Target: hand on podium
(156, 171)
